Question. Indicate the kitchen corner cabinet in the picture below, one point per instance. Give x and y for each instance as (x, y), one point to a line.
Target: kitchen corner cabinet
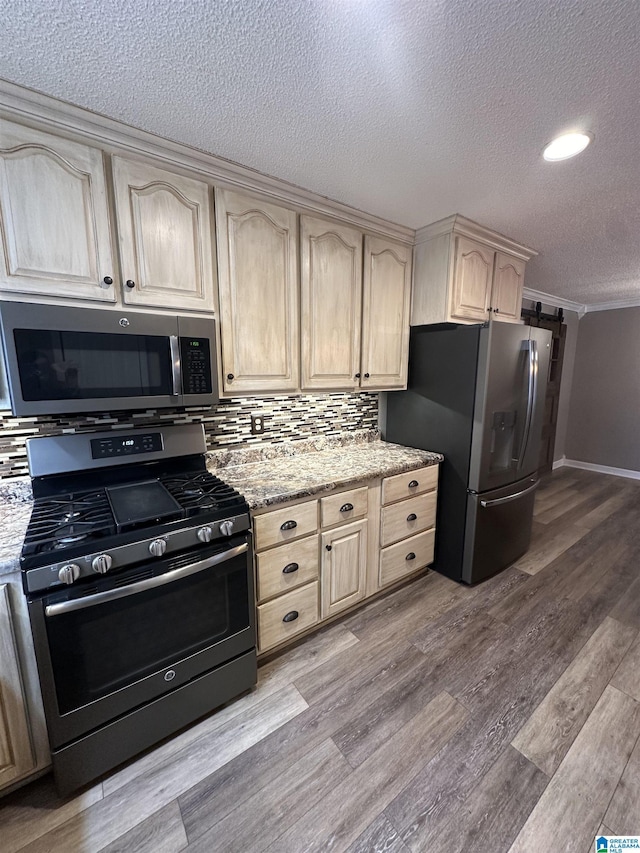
(258, 294)
(465, 273)
(16, 755)
(54, 218)
(164, 235)
(355, 308)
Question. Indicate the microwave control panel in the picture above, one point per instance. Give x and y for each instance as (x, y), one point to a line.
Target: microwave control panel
(196, 365)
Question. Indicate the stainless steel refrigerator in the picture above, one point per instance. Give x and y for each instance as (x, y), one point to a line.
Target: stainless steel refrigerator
(476, 394)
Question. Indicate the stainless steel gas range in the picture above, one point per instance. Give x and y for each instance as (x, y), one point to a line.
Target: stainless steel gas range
(138, 574)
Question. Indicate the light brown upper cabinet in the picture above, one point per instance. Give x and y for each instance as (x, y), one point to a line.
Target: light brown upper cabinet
(355, 316)
(258, 294)
(164, 234)
(54, 217)
(331, 292)
(465, 273)
(386, 302)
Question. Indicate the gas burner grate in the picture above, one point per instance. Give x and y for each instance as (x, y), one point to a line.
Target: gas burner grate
(201, 492)
(60, 522)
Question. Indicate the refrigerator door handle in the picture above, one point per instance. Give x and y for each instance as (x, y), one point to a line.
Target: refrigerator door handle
(532, 388)
(497, 501)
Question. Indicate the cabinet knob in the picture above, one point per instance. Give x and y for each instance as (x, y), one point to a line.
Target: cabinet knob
(357, 376)
(288, 525)
(291, 616)
(496, 310)
(410, 556)
(346, 507)
(107, 280)
(328, 547)
(130, 284)
(413, 484)
(412, 517)
(366, 376)
(230, 377)
(290, 568)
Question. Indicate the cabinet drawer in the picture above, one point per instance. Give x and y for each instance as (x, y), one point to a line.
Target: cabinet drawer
(398, 520)
(400, 486)
(271, 565)
(272, 629)
(334, 509)
(396, 560)
(283, 525)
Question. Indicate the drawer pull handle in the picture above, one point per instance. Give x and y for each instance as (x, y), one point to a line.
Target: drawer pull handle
(288, 525)
(291, 616)
(290, 568)
(413, 484)
(328, 547)
(346, 507)
(412, 517)
(410, 556)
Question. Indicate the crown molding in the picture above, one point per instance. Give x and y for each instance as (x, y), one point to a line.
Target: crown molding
(458, 224)
(45, 112)
(611, 306)
(557, 301)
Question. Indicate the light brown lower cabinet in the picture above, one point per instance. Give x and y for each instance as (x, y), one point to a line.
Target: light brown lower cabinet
(320, 557)
(16, 754)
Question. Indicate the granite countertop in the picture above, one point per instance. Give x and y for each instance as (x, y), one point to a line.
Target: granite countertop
(266, 475)
(295, 474)
(16, 500)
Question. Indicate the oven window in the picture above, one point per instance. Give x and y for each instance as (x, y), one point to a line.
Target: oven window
(102, 648)
(88, 365)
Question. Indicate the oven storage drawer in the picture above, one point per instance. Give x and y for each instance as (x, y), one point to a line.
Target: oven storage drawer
(407, 518)
(400, 485)
(283, 525)
(291, 614)
(406, 557)
(287, 567)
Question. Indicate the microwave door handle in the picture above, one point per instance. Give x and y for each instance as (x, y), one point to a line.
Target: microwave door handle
(176, 378)
(142, 586)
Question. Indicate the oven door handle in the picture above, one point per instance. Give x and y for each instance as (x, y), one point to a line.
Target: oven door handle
(143, 586)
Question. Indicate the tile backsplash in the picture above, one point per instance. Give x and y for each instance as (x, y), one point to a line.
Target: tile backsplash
(226, 425)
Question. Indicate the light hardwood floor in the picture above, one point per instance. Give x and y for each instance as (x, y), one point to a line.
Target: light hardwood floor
(504, 717)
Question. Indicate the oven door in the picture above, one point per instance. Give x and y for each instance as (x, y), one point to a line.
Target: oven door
(105, 650)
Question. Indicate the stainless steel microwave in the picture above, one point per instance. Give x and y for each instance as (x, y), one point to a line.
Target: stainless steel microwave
(60, 360)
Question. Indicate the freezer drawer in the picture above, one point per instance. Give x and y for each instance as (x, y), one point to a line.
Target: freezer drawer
(498, 529)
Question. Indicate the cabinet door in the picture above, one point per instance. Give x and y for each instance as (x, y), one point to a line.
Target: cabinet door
(508, 282)
(258, 293)
(331, 304)
(164, 232)
(16, 757)
(344, 566)
(54, 220)
(472, 277)
(386, 302)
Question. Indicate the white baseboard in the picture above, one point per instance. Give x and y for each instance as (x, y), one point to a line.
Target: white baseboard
(560, 462)
(602, 469)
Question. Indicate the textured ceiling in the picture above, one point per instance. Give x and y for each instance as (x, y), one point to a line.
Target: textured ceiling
(408, 109)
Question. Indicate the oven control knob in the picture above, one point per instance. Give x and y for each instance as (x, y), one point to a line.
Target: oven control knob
(101, 564)
(157, 547)
(226, 528)
(69, 573)
(205, 534)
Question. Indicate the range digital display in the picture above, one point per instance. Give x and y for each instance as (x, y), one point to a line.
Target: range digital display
(126, 445)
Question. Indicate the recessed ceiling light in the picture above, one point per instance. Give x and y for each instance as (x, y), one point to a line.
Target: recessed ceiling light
(567, 145)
